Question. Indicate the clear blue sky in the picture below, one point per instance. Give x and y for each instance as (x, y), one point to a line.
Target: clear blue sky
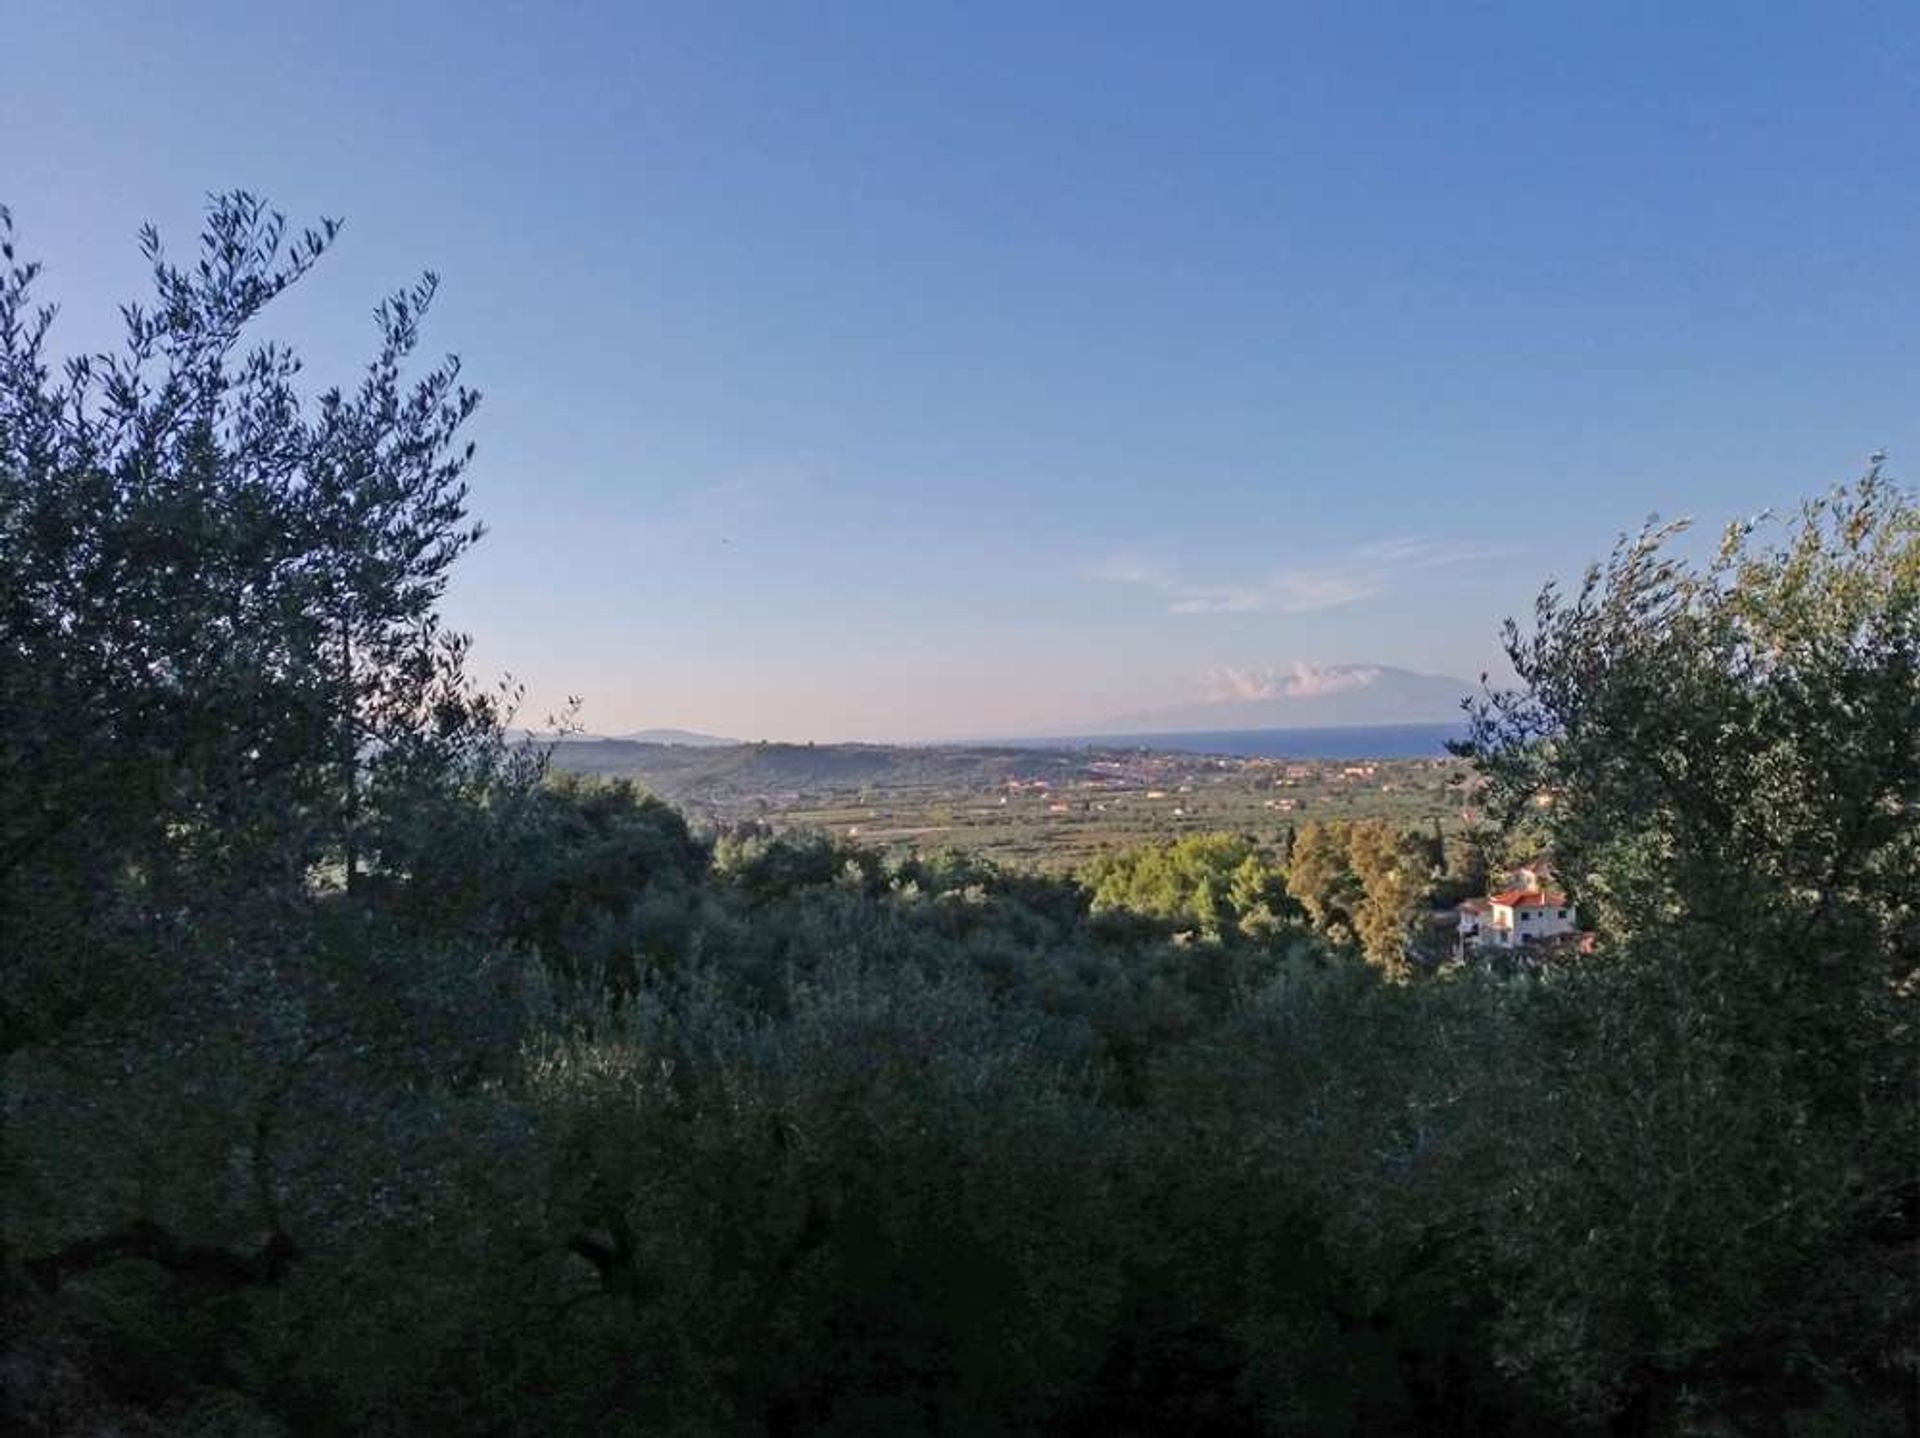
(906, 370)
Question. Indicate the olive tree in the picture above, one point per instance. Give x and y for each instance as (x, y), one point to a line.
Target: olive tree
(220, 668)
(1714, 1199)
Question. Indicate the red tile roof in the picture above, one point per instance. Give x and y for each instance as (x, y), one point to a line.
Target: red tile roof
(1529, 899)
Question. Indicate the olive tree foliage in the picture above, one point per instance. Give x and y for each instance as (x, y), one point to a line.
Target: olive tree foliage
(1715, 1200)
(1732, 747)
(882, 1212)
(217, 625)
(222, 683)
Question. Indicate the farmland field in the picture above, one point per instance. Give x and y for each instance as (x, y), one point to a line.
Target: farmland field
(1040, 808)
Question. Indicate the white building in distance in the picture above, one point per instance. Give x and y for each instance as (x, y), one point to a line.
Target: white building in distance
(1528, 913)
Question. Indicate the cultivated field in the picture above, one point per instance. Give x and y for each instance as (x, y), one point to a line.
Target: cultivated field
(1037, 808)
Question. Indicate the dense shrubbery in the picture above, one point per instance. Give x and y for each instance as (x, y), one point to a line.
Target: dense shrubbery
(359, 1078)
(1215, 883)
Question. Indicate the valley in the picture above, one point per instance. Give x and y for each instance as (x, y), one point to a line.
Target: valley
(1048, 809)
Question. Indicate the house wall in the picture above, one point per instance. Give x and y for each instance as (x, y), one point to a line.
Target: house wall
(1508, 926)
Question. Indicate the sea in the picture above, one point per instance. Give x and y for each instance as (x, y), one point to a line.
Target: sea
(1346, 741)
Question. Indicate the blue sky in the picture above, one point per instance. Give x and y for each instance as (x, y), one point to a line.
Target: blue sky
(909, 370)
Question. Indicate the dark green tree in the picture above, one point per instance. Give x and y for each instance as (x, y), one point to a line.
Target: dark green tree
(221, 677)
(1715, 1202)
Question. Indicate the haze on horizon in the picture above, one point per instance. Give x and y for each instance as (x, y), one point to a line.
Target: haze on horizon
(969, 371)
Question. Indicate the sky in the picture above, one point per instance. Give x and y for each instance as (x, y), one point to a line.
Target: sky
(895, 371)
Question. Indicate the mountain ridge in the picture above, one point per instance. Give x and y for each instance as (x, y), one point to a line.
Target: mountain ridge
(670, 738)
(685, 738)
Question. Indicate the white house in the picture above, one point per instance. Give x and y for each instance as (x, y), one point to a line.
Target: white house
(1528, 913)
(1526, 916)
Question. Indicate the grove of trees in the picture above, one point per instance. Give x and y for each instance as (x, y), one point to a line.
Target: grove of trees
(357, 1076)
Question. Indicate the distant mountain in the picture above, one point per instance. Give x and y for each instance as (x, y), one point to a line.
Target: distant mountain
(540, 736)
(681, 738)
(1307, 696)
(684, 737)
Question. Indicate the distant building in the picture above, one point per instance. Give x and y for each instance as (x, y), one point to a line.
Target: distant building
(1526, 916)
(1527, 913)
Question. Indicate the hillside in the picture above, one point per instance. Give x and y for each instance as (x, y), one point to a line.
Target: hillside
(741, 772)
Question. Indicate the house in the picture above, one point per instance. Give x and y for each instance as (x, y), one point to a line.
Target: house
(1529, 912)
(1525, 916)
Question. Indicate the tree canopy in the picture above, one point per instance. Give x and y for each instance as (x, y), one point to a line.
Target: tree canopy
(360, 1077)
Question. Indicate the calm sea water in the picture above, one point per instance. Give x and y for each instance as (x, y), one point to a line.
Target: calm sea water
(1348, 741)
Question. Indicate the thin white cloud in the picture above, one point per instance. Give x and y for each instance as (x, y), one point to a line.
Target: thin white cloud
(1299, 681)
(1367, 569)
